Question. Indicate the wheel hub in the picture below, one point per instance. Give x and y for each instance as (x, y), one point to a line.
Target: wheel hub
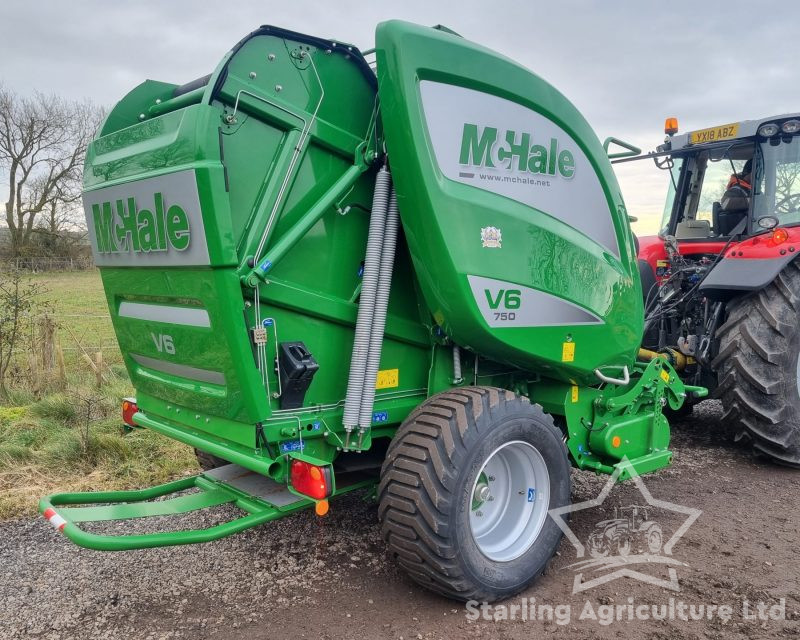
(483, 493)
(510, 499)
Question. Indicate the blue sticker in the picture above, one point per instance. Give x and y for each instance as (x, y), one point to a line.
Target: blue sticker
(531, 494)
(292, 445)
(267, 322)
(266, 265)
(380, 416)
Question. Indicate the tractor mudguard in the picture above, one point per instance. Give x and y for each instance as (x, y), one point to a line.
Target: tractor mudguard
(733, 276)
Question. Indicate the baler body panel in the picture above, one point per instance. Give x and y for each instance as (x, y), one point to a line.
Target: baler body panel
(218, 164)
(514, 219)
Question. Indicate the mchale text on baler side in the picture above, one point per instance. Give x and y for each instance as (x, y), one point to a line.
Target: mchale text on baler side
(721, 280)
(327, 275)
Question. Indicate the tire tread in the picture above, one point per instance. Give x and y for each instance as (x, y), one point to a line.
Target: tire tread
(418, 476)
(751, 368)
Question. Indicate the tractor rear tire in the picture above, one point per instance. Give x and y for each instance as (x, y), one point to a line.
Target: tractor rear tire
(758, 368)
(207, 461)
(465, 491)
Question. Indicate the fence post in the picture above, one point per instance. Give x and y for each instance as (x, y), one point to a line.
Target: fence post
(61, 367)
(98, 358)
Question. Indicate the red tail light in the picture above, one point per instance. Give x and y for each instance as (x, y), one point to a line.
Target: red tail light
(128, 409)
(311, 480)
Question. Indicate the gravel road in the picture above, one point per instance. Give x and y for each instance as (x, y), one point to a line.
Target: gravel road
(330, 578)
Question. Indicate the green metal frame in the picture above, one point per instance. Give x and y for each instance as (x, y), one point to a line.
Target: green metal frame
(125, 505)
(104, 506)
(631, 150)
(608, 424)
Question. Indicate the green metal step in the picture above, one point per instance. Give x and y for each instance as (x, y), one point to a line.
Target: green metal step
(260, 497)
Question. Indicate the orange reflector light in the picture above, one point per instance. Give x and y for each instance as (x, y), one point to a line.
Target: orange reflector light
(129, 408)
(671, 126)
(779, 236)
(311, 480)
(616, 441)
(322, 507)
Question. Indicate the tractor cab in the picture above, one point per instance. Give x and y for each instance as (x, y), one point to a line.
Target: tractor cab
(721, 279)
(741, 178)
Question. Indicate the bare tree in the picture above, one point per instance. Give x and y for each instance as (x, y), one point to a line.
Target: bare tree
(43, 141)
(787, 187)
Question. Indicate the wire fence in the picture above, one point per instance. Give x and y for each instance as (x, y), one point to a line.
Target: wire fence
(52, 347)
(81, 335)
(38, 264)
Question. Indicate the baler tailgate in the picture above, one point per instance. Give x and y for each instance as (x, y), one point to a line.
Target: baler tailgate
(261, 498)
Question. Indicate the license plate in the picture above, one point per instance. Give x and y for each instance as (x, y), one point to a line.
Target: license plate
(723, 132)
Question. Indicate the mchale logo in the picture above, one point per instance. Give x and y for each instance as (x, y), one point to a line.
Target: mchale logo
(125, 228)
(480, 148)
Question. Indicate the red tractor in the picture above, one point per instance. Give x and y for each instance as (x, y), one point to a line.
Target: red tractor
(720, 280)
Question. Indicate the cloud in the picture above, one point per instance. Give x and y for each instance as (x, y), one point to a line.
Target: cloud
(625, 64)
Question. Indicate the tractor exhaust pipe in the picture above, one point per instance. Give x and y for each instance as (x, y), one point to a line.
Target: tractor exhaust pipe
(366, 303)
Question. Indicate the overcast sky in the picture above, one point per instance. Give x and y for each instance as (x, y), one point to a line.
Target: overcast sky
(625, 64)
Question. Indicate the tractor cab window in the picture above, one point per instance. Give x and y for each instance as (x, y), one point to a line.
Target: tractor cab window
(674, 168)
(715, 192)
(777, 181)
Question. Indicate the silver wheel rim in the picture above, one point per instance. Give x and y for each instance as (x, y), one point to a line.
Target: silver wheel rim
(798, 375)
(509, 501)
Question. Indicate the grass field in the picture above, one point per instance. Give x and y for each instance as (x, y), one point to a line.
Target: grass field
(79, 306)
(71, 439)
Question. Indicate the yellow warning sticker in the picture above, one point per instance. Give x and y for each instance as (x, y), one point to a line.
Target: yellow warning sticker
(568, 352)
(387, 379)
(665, 375)
(574, 393)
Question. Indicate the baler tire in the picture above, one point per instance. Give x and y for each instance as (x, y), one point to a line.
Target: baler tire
(758, 368)
(207, 461)
(428, 483)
